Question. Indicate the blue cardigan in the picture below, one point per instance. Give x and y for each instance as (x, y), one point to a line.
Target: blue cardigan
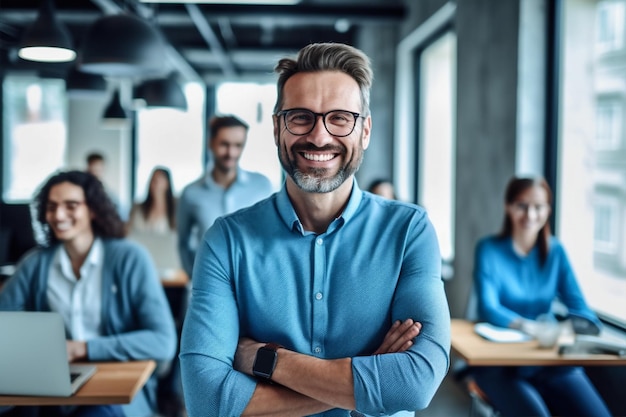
(137, 323)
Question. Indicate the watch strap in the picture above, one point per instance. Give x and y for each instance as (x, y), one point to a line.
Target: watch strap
(272, 346)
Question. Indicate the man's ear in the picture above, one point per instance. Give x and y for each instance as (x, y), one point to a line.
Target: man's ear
(276, 121)
(367, 129)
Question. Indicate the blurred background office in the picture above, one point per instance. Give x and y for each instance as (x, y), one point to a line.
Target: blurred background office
(467, 94)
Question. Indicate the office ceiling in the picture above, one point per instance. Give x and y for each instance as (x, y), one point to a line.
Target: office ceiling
(210, 41)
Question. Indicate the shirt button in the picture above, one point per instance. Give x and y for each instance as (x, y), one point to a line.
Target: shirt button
(317, 349)
(319, 241)
(319, 296)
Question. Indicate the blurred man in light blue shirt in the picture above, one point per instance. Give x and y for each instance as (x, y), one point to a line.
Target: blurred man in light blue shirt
(224, 189)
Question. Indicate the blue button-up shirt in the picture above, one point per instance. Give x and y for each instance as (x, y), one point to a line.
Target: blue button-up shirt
(258, 273)
(204, 200)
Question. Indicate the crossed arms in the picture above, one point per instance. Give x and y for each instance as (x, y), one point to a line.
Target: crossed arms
(310, 385)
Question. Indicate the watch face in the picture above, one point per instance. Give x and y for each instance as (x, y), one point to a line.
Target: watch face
(264, 363)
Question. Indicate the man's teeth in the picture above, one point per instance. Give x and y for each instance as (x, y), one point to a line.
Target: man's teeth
(319, 157)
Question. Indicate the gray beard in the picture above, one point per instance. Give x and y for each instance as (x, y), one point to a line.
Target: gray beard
(313, 184)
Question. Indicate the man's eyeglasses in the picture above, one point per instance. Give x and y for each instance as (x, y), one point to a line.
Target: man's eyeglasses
(300, 122)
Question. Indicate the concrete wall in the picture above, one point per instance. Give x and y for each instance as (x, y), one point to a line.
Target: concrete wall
(378, 160)
(487, 45)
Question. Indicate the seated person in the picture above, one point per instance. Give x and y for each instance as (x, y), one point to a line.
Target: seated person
(518, 274)
(157, 212)
(105, 287)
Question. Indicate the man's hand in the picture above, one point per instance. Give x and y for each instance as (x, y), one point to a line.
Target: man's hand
(400, 337)
(76, 350)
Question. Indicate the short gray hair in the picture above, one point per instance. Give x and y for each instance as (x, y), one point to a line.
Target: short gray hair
(328, 57)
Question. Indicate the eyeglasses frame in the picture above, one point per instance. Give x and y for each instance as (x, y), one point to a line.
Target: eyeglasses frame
(284, 112)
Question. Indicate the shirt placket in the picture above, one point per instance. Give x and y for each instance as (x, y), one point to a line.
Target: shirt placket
(319, 302)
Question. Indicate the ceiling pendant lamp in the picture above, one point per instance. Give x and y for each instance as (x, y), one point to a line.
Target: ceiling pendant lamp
(83, 84)
(162, 93)
(122, 45)
(114, 115)
(47, 39)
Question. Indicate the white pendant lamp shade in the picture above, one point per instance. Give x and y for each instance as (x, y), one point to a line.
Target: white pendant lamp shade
(122, 45)
(47, 39)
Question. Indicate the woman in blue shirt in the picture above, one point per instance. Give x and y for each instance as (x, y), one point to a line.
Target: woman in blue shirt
(518, 274)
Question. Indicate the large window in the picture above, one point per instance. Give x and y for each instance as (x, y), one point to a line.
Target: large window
(592, 151)
(173, 139)
(35, 134)
(436, 151)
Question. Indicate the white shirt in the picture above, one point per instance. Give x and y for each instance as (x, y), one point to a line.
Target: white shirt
(79, 301)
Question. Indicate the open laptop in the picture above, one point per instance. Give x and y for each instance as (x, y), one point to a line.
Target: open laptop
(33, 356)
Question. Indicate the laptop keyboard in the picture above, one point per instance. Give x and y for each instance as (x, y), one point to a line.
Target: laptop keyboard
(73, 376)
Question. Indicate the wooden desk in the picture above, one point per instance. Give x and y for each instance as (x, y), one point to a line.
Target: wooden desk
(477, 351)
(113, 383)
(177, 278)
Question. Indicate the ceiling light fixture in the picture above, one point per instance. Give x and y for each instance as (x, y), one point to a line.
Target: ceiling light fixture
(47, 39)
(122, 45)
(163, 92)
(114, 115)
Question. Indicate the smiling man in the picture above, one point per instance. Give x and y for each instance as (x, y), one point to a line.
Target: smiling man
(223, 189)
(322, 299)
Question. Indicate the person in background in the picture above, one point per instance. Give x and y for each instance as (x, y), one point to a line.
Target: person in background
(382, 187)
(96, 165)
(223, 189)
(105, 287)
(154, 221)
(311, 301)
(518, 274)
(157, 213)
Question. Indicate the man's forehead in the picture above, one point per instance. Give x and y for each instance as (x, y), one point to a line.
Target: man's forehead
(315, 90)
(231, 133)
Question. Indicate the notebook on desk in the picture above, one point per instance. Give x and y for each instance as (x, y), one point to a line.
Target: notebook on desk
(33, 356)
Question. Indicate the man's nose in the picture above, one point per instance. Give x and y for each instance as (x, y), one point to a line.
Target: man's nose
(319, 136)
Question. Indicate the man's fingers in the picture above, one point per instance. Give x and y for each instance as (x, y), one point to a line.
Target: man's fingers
(405, 340)
(399, 337)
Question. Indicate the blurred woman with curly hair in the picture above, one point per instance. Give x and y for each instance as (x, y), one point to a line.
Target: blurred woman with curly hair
(105, 287)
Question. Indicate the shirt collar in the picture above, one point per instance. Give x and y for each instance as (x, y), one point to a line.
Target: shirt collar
(241, 178)
(290, 218)
(94, 257)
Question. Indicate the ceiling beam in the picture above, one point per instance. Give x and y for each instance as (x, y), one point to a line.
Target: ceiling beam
(211, 39)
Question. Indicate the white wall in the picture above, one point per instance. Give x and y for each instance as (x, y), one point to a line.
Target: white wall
(86, 134)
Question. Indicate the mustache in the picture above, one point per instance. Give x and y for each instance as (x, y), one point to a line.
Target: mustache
(309, 147)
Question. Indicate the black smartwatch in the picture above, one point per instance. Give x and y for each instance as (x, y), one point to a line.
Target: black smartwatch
(265, 361)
